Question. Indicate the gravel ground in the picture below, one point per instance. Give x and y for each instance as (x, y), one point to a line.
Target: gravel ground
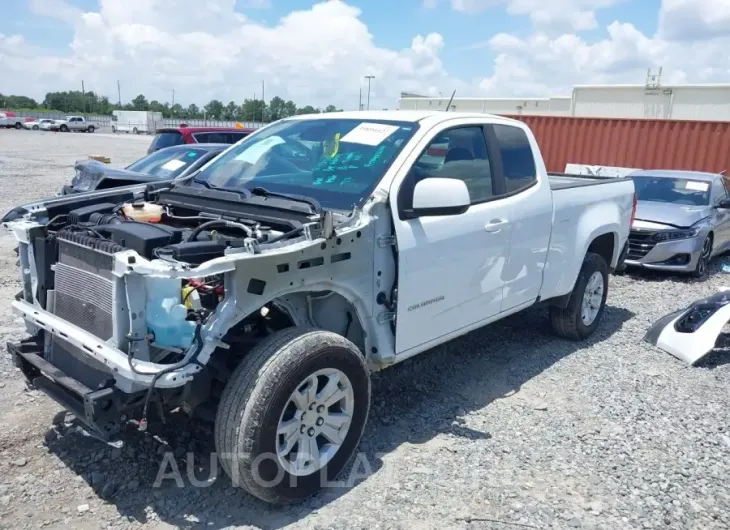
(505, 428)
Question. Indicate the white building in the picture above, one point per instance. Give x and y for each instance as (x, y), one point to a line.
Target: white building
(650, 100)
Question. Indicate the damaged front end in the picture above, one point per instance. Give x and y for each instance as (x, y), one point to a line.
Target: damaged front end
(691, 334)
(129, 315)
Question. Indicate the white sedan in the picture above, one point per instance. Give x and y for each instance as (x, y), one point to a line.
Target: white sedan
(45, 125)
(36, 124)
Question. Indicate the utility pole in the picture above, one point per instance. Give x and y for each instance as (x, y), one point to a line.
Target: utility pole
(263, 101)
(369, 78)
(173, 97)
(119, 92)
(83, 96)
(359, 105)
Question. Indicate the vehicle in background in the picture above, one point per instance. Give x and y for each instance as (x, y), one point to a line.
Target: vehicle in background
(165, 164)
(10, 120)
(682, 220)
(46, 125)
(263, 290)
(36, 124)
(169, 136)
(136, 121)
(73, 123)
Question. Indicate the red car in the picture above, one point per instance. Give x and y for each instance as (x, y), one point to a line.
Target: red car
(170, 136)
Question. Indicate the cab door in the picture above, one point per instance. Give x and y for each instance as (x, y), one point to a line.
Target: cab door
(450, 267)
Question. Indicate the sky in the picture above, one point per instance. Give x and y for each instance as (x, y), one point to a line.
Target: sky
(319, 53)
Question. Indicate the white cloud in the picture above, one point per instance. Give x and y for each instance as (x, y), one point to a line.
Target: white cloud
(318, 55)
(694, 19)
(548, 65)
(551, 15)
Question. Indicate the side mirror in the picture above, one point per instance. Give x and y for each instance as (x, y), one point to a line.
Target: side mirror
(723, 204)
(440, 196)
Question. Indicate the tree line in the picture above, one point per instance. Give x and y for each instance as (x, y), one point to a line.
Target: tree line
(77, 102)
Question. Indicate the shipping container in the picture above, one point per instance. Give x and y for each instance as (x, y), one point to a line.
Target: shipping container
(635, 143)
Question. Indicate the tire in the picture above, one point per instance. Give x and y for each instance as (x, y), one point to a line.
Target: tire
(114, 129)
(258, 397)
(35, 127)
(135, 131)
(64, 128)
(568, 322)
(18, 125)
(90, 129)
(703, 263)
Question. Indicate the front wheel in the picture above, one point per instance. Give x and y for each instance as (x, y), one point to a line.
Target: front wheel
(587, 301)
(135, 131)
(35, 127)
(703, 262)
(18, 125)
(64, 128)
(292, 414)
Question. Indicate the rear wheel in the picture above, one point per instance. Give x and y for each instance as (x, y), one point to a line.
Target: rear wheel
(18, 125)
(135, 131)
(587, 301)
(90, 129)
(703, 263)
(35, 127)
(292, 414)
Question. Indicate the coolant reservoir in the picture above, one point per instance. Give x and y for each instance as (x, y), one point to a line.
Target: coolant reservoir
(165, 314)
(146, 211)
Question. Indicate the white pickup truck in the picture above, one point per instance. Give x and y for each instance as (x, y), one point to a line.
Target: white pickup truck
(73, 123)
(263, 290)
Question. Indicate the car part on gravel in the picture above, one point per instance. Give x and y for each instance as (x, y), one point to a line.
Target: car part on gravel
(690, 334)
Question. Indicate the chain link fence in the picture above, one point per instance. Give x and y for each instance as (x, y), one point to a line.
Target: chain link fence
(104, 123)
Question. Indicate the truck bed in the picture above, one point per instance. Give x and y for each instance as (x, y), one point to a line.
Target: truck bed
(561, 181)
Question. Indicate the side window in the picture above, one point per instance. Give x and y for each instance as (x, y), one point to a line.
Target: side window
(459, 153)
(517, 160)
(718, 190)
(726, 183)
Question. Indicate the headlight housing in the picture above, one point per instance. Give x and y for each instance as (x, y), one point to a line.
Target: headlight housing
(673, 235)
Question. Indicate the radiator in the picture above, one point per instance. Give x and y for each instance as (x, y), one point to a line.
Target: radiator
(85, 289)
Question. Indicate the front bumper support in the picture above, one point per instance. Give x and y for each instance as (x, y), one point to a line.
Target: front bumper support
(99, 410)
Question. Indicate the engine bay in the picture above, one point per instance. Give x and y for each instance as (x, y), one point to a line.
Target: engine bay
(184, 228)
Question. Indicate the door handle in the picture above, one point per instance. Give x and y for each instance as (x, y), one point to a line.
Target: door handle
(495, 225)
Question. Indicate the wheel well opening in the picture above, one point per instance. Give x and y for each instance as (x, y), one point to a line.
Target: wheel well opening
(604, 246)
(326, 310)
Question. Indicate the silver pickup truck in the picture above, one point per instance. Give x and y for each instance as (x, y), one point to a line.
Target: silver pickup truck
(263, 290)
(74, 123)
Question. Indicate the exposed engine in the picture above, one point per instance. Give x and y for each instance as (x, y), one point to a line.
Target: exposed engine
(74, 262)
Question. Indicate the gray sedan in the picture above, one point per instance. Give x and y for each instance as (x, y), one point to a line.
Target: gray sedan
(682, 220)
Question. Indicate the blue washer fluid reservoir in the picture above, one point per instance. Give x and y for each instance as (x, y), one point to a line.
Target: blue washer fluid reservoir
(165, 314)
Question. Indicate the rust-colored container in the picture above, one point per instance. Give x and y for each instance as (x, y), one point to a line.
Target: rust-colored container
(645, 144)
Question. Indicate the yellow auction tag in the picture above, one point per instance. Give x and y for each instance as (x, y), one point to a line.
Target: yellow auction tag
(330, 149)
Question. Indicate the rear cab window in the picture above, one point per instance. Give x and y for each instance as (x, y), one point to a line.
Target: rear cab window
(518, 162)
(166, 139)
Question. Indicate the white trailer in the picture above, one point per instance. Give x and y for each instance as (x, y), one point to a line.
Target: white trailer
(136, 121)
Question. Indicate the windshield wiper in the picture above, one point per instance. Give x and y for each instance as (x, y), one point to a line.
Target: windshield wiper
(313, 203)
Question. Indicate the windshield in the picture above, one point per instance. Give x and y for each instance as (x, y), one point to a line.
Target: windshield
(166, 164)
(672, 190)
(338, 162)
